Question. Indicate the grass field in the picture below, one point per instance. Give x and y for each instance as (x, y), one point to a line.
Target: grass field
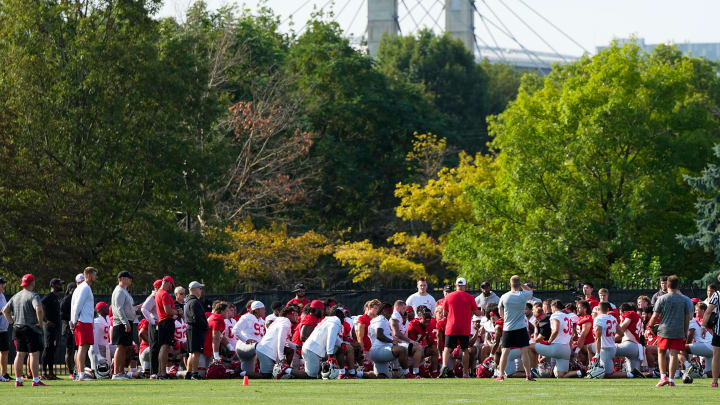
(426, 391)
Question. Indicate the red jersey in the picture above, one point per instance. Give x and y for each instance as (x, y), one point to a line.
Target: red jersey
(143, 343)
(440, 326)
(364, 322)
(301, 302)
(459, 306)
(216, 322)
(163, 298)
(423, 333)
(593, 302)
(636, 324)
(615, 313)
(308, 319)
(590, 338)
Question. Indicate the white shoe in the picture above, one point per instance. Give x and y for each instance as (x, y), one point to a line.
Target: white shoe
(121, 376)
(85, 377)
(3, 379)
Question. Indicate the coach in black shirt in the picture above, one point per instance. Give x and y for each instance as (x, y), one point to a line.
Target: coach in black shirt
(67, 333)
(51, 328)
(197, 326)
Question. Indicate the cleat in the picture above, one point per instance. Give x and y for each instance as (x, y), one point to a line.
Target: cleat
(534, 373)
(411, 376)
(663, 381)
(500, 379)
(671, 383)
(18, 383)
(38, 384)
(637, 373)
(714, 385)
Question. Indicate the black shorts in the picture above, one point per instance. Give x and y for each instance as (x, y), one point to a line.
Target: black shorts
(4, 342)
(120, 337)
(515, 338)
(28, 339)
(451, 341)
(195, 340)
(166, 332)
(716, 340)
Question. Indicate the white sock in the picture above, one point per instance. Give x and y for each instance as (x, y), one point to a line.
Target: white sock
(416, 370)
(630, 375)
(672, 380)
(579, 373)
(18, 379)
(342, 371)
(406, 371)
(36, 379)
(663, 375)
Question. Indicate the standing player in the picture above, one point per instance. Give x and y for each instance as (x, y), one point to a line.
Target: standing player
(82, 313)
(299, 299)
(558, 346)
(166, 324)
(459, 308)
(605, 329)
(486, 297)
(248, 331)
(421, 297)
(515, 332)
(675, 311)
(588, 289)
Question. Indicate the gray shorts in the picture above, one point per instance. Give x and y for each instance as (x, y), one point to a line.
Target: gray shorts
(246, 354)
(312, 363)
(607, 356)
(558, 351)
(701, 349)
(266, 363)
(631, 351)
(145, 359)
(381, 356)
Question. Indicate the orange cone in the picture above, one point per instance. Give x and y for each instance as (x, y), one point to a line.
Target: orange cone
(245, 381)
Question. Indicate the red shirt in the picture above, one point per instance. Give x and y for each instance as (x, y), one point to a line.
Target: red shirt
(636, 324)
(590, 338)
(143, 343)
(308, 319)
(163, 298)
(459, 306)
(593, 302)
(422, 333)
(440, 326)
(216, 322)
(364, 322)
(295, 301)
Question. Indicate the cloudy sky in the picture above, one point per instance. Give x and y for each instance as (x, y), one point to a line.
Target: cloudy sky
(590, 23)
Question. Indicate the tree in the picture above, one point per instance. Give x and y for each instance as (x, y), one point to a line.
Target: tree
(591, 164)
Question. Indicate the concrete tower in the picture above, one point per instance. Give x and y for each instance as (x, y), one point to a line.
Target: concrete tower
(382, 18)
(459, 21)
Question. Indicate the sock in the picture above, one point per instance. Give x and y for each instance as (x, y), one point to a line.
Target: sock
(672, 380)
(416, 370)
(579, 374)
(406, 371)
(342, 371)
(288, 370)
(18, 379)
(36, 379)
(630, 375)
(663, 375)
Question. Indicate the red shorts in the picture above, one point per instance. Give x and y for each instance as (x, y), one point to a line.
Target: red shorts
(671, 344)
(84, 334)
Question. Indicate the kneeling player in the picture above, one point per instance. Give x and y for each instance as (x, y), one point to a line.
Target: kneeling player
(701, 340)
(271, 348)
(630, 329)
(558, 346)
(323, 342)
(384, 349)
(605, 328)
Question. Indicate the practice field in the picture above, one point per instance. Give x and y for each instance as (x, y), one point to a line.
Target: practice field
(293, 392)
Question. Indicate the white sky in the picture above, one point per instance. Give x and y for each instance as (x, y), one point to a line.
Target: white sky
(591, 23)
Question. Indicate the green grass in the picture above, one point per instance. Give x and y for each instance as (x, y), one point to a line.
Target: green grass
(293, 392)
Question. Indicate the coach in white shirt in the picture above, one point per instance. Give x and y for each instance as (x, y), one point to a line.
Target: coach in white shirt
(421, 297)
(82, 314)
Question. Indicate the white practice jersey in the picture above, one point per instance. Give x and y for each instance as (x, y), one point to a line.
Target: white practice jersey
(608, 323)
(700, 334)
(379, 322)
(102, 331)
(278, 335)
(180, 331)
(249, 327)
(565, 329)
(228, 332)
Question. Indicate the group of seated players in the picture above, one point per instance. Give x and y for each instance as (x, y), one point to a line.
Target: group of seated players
(322, 339)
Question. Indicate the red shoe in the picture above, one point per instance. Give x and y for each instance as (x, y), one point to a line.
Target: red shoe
(411, 376)
(18, 383)
(714, 385)
(663, 381)
(671, 383)
(500, 378)
(38, 384)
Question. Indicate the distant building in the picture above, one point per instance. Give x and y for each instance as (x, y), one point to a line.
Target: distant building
(709, 50)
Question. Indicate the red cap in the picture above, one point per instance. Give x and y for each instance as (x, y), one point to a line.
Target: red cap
(317, 304)
(409, 309)
(27, 279)
(157, 283)
(169, 280)
(695, 300)
(100, 305)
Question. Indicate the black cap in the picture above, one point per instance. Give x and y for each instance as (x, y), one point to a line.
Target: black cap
(485, 284)
(298, 287)
(124, 273)
(56, 281)
(447, 288)
(2, 280)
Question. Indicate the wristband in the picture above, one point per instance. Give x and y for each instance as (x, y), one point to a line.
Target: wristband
(216, 355)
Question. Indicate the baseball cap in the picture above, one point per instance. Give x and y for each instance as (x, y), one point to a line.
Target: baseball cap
(447, 288)
(157, 283)
(695, 300)
(298, 287)
(169, 280)
(124, 273)
(195, 284)
(317, 304)
(257, 305)
(79, 278)
(27, 279)
(100, 305)
(409, 309)
(56, 281)
(461, 281)
(476, 318)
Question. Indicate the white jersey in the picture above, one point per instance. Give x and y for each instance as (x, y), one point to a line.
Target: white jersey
(228, 332)
(180, 331)
(699, 331)
(379, 322)
(101, 331)
(396, 316)
(278, 335)
(595, 311)
(608, 323)
(565, 329)
(326, 337)
(416, 300)
(249, 327)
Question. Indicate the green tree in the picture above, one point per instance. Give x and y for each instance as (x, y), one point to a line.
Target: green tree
(591, 163)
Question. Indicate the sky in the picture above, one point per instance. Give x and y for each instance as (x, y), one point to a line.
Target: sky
(589, 23)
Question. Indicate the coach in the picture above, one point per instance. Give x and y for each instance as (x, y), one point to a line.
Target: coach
(459, 307)
(515, 334)
(122, 327)
(197, 326)
(675, 311)
(82, 317)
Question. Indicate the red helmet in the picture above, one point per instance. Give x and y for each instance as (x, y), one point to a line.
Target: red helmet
(483, 372)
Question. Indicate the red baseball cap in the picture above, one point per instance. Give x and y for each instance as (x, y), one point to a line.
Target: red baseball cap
(409, 309)
(100, 305)
(695, 300)
(27, 279)
(157, 283)
(317, 304)
(169, 280)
